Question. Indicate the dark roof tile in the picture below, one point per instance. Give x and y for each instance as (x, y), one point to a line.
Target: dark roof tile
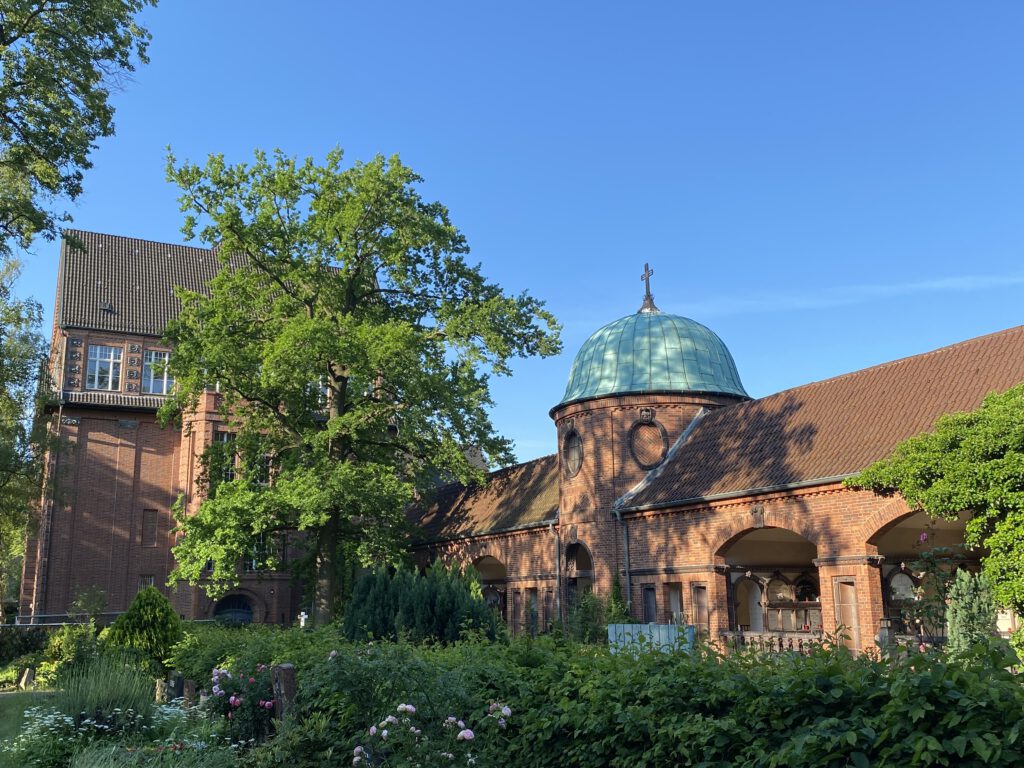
(134, 278)
(516, 497)
(832, 428)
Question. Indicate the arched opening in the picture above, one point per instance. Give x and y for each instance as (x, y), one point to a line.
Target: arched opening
(493, 582)
(233, 609)
(579, 573)
(749, 610)
(921, 558)
(772, 582)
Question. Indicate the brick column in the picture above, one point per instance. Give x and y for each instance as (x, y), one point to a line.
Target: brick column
(855, 578)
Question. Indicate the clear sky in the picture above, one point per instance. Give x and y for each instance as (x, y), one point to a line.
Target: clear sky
(827, 185)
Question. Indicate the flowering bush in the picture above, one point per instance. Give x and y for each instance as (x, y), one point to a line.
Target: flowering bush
(49, 737)
(245, 701)
(397, 741)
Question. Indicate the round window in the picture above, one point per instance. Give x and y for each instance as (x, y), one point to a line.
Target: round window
(572, 452)
(648, 442)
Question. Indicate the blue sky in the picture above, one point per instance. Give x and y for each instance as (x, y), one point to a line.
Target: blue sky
(826, 185)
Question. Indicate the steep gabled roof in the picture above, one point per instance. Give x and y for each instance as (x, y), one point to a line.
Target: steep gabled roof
(517, 497)
(831, 428)
(125, 285)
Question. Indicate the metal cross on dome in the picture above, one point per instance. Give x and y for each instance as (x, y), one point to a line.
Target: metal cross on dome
(648, 305)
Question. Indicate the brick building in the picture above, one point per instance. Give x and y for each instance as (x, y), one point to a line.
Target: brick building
(709, 506)
(106, 520)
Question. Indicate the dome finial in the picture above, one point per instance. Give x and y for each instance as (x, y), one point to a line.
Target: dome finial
(648, 305)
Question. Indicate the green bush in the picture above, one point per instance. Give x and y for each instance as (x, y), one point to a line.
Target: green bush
(442, 605)
(204, 647)
(971, 613)
(150, 626)
(108, 685)
(68, 648)
(584, 706)
(20, 641)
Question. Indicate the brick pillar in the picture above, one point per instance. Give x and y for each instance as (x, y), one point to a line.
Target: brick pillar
(851, 589)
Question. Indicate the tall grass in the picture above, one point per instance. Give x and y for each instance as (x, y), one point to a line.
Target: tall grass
(105, 687)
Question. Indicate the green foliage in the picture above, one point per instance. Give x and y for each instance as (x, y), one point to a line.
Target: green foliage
(244, 699)
(442, 604)
(150, 626)
(970, 462)
(971, 614)
(208, 646)
(587, 620)
(352, 343)
(586, 707)
(22, 438)
(67, 650)
(105, 688)
(18, 641)
(174, 755)
(58, 64)
(616, 611)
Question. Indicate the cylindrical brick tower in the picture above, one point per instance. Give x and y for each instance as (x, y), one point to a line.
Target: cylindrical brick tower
(635, 386)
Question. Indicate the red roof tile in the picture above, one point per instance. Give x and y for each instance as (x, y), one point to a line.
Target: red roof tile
(831, 428)
(516, 497)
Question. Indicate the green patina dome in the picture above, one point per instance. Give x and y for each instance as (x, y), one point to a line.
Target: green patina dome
(652, 351)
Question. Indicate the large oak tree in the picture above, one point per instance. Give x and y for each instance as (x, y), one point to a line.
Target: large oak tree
(351, 343)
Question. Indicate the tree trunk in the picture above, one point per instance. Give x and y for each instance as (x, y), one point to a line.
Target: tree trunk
(326, 593)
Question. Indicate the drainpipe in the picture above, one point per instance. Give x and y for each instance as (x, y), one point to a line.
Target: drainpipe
(558, 571)
(625, 552)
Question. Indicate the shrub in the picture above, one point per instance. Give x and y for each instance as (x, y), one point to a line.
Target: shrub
(443, 605)
(971, 613)
(20, 641)
(245, 700)
(587, 621)
(69, 648)
(584, 706)
(150, 625)
(105, 689)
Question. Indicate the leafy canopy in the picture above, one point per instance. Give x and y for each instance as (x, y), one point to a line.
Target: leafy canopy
(351, 343)
(22, 355)
(59, 61)
(970, 462)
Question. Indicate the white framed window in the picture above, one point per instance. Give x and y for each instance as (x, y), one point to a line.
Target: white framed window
(104, 369)
(229, 457)
(146, 581)
(156, 377)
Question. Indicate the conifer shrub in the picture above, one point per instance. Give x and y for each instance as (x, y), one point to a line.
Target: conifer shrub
(443, 605)
(971, 613)
(149, 626)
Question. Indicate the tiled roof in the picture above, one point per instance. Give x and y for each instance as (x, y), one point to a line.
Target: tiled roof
(133, 278)
(117, 400)
(517, 497)
(834, 427)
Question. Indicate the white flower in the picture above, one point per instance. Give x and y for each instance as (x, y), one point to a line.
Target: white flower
(506, 711)
(465, 735)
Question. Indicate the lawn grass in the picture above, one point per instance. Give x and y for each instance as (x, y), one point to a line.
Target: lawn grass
(12, 706)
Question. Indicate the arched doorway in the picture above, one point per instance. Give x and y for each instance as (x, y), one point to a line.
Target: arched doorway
(772, 583)
(579, 573)
(493, 582)
(233, 609)
(921, 556)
